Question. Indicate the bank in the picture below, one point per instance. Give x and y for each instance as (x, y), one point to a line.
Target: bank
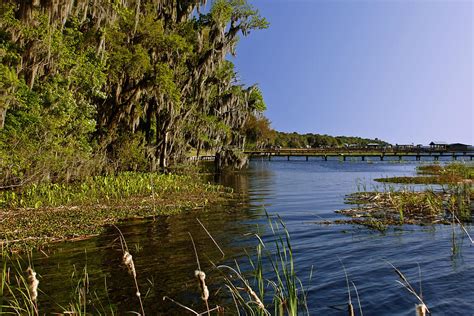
(37, 215)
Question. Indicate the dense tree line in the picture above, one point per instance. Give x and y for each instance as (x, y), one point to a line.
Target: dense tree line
(260, 135)
(94, 86)
(296, 140)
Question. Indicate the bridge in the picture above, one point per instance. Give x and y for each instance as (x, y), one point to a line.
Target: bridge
(362, 153)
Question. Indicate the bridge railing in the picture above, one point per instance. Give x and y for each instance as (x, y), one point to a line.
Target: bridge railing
(309, 151)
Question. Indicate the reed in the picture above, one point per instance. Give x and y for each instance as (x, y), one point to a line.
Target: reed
(421, 306)
(18, 288)
(270, 287)
(273, 275)
(127, 261)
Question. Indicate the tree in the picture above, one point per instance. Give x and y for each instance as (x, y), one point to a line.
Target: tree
(84, 78)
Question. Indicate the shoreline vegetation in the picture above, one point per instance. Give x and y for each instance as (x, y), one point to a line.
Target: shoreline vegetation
(452, 173)
(44, 213)
(100, 100)
(448, 204)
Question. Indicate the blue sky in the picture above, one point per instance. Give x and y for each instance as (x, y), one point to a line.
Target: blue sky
(400, 70)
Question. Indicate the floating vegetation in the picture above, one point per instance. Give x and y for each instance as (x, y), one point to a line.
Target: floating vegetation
(49, 212)
(378, 209)
(437, 174)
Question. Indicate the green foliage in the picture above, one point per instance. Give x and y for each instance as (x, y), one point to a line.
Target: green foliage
(221, 12)
(96, 189)
(452, 173)
(256, 100)
(40, 213)
(113, 86)
(259, 132)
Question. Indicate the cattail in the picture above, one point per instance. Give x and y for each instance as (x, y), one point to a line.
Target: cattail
(350, 309)
(255, 297)
(421, 310)
(32, 284)
(201, 276)
(127, 260)
(220, 311)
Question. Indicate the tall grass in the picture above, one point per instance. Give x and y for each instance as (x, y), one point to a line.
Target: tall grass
(273, 275)
(18, 289)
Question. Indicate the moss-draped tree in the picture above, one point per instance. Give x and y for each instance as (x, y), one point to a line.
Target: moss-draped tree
(91, 86)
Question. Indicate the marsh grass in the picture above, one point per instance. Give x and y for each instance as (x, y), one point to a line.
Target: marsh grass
(273, 275)
(39, 214)
(407, 206)
(421, 307)
(18, 288)
(436, 174)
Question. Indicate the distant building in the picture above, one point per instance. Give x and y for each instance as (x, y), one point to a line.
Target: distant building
(458, 147)
(373, 145)
(438, 145)
(350, 145)
(404, 147)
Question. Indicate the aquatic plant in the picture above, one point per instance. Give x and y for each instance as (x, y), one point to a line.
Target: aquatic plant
(18, 288)
(48, 212)
(452, 173)
(270, 287)
(273, 265)
(421, 307)
(128, 262)
(100, 189)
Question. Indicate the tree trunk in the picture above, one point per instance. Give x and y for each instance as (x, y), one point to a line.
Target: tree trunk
(3, 114)
(163, 152)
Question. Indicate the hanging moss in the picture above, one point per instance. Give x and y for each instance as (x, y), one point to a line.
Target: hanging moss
(122, 69)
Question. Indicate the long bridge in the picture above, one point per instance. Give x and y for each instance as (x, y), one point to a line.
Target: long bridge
(363, 153)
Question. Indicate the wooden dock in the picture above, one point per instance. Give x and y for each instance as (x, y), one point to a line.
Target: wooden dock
(363, 154)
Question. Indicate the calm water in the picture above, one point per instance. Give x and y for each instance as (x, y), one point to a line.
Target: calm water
(302, 193)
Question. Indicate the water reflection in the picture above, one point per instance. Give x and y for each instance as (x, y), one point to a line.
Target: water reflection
(163, 255)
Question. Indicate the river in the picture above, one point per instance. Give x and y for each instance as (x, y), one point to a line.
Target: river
(302, 193)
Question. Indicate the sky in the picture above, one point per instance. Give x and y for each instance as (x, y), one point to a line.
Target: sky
(399, 70)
